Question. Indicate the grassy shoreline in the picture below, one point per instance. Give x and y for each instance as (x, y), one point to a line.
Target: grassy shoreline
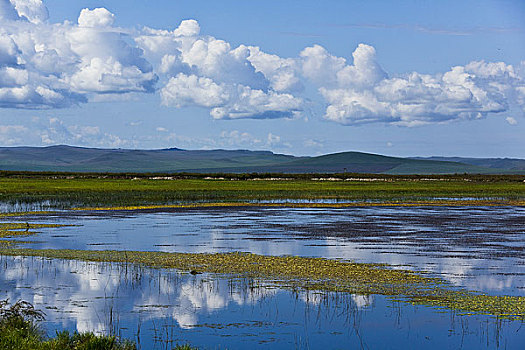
(20, 329)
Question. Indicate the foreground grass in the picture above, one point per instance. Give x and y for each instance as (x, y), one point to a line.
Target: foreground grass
(20, 330)
(22, 337)
(87, 192)
(311, 274)
(19, 339)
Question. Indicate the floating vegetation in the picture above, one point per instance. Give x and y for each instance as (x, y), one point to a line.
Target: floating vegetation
(12, 229)
(301, 273)
(25, 213)
(317, 205)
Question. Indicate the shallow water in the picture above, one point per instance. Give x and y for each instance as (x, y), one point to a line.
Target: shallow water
(158, 308)
(479, 248)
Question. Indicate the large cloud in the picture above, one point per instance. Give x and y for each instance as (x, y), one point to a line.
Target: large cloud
(230, 101)
(46, 65)
(363, 93)
(241, 82)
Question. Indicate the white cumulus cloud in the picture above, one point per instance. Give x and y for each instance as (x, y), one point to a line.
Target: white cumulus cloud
(99, 17)
(363, 92)
(45, 65)
(186, 90)
(241, 82)
(54, 65)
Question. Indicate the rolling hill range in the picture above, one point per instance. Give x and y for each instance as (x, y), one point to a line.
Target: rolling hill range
(79, 159)
(493, 163)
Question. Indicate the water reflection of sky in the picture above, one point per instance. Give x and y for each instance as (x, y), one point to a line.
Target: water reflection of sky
(480, 248)
(158, 305)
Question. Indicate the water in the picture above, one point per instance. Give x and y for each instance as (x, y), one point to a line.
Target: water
(478, 248)
(157, 308)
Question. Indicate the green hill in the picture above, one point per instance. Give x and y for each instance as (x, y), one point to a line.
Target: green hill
(357, 162)
(79, 159)
(493, 163)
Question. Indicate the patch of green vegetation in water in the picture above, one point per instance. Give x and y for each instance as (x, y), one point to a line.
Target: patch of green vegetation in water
(13, 229)
(25, 213)
(413, 203)
(310, 274)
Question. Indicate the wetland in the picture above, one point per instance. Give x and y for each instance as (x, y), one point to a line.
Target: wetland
(340, 263)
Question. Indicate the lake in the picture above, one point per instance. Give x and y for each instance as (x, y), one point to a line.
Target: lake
(477, 248)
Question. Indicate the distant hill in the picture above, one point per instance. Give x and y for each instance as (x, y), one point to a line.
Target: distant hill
(80, 159)
(67, 158)
(493, 163)
(358, 162)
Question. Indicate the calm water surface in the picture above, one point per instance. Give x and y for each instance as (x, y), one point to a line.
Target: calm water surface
(160, 308)
(479, 248)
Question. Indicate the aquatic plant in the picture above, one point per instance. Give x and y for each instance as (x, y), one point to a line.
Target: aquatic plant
(416, 203)
(11, 229)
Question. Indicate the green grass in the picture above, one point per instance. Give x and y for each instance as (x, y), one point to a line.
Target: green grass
(20, 330)
(121, 192)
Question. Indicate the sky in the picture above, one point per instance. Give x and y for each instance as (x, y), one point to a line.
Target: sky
(400, 78)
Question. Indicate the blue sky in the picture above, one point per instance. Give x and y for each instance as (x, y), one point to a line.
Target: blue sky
(399, 78)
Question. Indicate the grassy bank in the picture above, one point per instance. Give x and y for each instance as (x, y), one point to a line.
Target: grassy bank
(20, 329)
(310, 274)
(89, 192)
